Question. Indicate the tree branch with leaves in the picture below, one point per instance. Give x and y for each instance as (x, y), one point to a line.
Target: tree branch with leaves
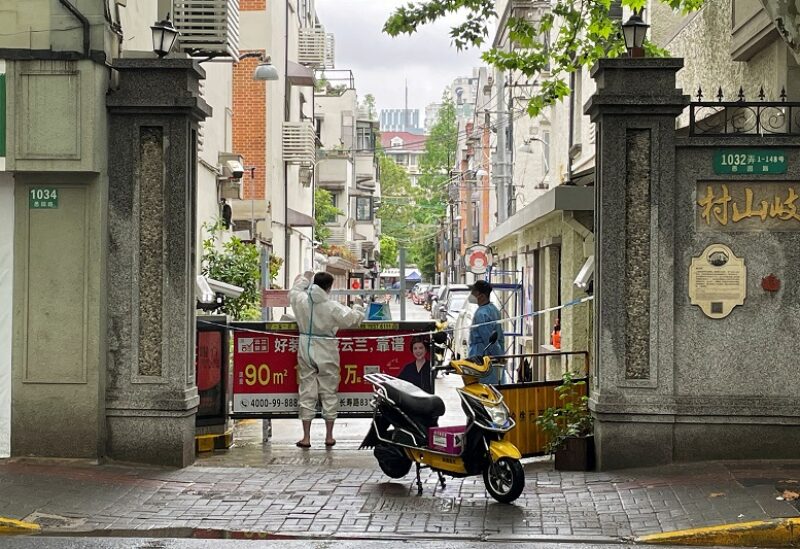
(571, 34)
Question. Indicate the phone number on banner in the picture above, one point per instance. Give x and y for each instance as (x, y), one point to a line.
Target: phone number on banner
(289, 403)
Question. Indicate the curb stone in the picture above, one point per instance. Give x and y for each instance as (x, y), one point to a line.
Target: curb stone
(10, 526)
(761, 533)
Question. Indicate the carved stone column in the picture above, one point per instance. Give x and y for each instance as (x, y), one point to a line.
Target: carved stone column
(635, 107)
(151, 395)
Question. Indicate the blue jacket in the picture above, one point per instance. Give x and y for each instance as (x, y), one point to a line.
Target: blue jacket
(482, 329)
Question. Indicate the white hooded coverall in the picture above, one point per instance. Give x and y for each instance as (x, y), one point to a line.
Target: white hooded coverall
(318, 371)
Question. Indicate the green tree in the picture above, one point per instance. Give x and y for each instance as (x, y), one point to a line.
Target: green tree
(571, 34)
(324, 212)
(396, 211)
(430, 197)
(388, 251)
(369, 105)
(234, 262)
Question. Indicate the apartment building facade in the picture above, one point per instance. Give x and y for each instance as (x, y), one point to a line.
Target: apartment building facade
(347, 168)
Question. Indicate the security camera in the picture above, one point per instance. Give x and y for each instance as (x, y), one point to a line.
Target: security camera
(236, 169)
(207, 299)
(585, 275)
(228, 290)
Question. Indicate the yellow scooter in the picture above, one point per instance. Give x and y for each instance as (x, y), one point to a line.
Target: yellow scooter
(405, 430)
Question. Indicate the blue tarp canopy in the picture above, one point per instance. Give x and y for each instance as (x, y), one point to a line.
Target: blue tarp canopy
(413, 275)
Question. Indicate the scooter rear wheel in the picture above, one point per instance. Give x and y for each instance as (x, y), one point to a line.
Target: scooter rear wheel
(504, 479)
(393, 461)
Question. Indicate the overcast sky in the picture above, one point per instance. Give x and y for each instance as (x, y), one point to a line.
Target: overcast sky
(381, 63)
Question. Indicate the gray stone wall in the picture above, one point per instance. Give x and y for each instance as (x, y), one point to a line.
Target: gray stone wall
(671, 383)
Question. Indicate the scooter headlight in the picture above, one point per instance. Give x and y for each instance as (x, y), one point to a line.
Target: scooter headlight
(498, 414)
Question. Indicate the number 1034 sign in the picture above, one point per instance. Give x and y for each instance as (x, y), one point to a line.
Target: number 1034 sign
(265, 365)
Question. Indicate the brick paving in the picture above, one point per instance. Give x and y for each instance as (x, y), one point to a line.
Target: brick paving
(337, 499)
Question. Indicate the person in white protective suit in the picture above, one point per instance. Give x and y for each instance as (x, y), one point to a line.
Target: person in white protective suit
(318, 357)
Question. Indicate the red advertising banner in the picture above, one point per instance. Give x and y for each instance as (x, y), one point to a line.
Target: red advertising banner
(265, 374)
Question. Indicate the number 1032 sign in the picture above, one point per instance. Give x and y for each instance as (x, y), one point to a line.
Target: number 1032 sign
(265, 365)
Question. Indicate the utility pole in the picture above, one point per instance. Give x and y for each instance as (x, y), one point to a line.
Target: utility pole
(451, 268)
(499, 175)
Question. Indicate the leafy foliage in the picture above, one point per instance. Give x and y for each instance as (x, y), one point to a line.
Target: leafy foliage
(396, 211)
(235, 262)
(571, 419)
(430, 197)
(324, 212)
(388, 251)
(410, 215)
(369, 106)
(275, 264)
(572, 34)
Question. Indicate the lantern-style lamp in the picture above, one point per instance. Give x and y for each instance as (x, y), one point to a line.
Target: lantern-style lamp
(266, 71)
(634, 32)
(164, 36)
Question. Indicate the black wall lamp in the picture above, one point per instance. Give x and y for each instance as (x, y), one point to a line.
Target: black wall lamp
(164, 37)
(634, 32)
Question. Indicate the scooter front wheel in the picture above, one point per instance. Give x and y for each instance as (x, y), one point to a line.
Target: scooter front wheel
(504, 479)
(392, 460)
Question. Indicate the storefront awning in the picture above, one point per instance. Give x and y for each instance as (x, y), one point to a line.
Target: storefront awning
(561, 198)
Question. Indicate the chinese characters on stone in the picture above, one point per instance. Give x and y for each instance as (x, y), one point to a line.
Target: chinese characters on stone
(721, 206)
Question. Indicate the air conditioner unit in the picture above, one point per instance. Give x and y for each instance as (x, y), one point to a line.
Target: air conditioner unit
(299, 143)
(312, 47)
(209, 28)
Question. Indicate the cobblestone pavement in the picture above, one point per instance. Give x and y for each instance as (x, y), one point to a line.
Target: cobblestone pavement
(279, 489)
(341, 496)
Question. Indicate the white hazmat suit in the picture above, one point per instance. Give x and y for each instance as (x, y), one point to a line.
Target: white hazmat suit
(318, 370)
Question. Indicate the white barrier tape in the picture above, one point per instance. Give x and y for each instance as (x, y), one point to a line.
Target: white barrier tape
(412, 334)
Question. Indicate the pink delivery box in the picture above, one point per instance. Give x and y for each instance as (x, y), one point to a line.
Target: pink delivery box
(447, 439)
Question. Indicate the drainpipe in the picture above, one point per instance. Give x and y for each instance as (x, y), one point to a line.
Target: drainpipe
(571, 126)
(287, 108)
(84, 23)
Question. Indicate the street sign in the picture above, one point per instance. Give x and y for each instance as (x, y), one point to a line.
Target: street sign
(478, 258)
(43, 198)
(749, 161)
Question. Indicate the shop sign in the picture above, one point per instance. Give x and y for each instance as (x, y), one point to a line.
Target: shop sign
(265, 374)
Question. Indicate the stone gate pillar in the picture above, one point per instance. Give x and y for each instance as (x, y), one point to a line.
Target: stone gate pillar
(151, 396)
(634, 108)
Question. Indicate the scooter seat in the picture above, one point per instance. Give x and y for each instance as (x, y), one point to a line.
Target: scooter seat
(413, 400)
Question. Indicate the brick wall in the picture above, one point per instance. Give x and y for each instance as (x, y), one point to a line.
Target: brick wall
(250, 124)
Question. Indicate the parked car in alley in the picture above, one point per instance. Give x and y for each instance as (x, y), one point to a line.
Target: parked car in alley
(452, 301)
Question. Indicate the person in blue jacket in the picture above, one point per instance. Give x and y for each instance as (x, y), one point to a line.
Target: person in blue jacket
(485, 322)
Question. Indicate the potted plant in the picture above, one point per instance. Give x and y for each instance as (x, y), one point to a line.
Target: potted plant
(569, 427)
